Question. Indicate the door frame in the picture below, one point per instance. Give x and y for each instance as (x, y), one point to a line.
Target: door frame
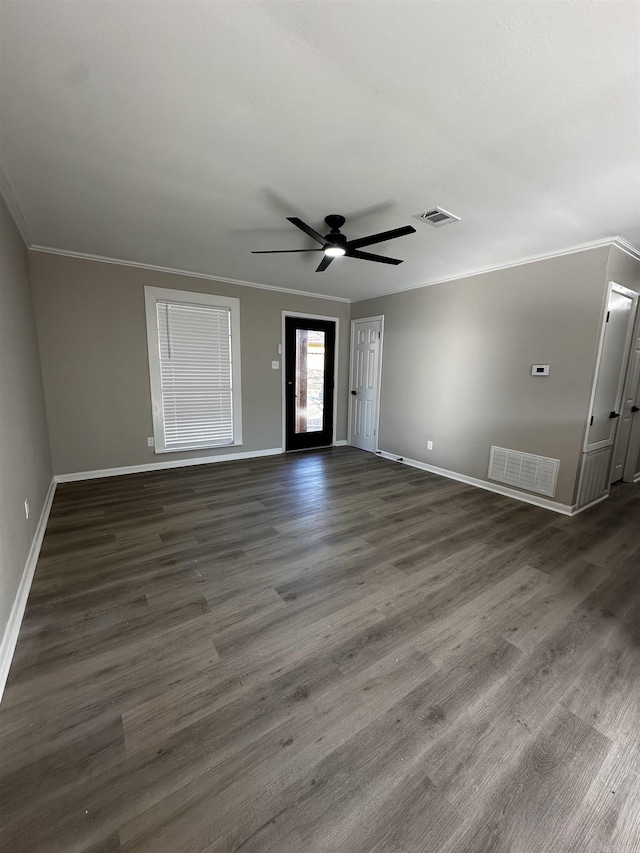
(379, 377)
(283, 346)
(633, 295)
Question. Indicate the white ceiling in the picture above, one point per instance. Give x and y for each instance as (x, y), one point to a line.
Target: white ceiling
(181, 134)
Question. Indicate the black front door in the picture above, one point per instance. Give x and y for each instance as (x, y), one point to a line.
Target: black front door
(309, 363)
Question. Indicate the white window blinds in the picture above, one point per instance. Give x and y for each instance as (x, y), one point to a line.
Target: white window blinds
(194, 369)
(196, 374)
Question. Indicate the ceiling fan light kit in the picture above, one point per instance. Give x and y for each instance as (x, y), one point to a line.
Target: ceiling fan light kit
(335, 244)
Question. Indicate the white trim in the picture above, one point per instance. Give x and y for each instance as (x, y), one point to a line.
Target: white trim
(342, 443)
(335, 320)
(633, 296)
(632, 389)
(626, 247)
(618, 242)
(12, 630)
(151, 297)
(625, 291)
(594, 377)
(563, 509)
(84, 256)
(636, 479)
(379, 389)
(16, 214)
(161, 466)
(575, 510)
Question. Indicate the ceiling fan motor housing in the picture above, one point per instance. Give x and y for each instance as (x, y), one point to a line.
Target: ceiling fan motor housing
(336, 239)
(335, 221)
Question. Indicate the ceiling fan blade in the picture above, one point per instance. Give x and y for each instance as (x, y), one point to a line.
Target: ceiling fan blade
(308, 230)
(324, 263)
(367, 256)
(381, 237)
(281, 251)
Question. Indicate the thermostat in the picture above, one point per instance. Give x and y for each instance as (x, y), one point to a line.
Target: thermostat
(539, 369)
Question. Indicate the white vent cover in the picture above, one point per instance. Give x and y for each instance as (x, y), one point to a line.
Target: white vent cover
(437, 216)
(533, 473)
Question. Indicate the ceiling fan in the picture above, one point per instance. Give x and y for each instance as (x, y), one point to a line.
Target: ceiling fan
(335, 244)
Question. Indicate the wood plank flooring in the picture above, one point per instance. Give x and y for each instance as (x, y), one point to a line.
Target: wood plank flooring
(324, 652)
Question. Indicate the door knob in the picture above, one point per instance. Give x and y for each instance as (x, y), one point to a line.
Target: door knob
(354, 393)
(614, 414)
(635, 408)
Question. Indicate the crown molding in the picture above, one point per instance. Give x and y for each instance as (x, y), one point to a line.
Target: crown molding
(626, 247)
(617, 242)
(14, 208)
(50, 250)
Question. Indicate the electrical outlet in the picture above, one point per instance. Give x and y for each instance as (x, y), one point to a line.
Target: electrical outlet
(275, 365)
(150, 441)
(26, 507)
(429, 445)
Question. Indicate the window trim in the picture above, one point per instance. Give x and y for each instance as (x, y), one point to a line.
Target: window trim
(152, 295)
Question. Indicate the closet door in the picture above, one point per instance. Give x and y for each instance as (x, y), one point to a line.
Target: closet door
(626, 458)
(607, 398)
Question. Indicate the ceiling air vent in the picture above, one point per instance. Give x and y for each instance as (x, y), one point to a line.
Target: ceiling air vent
(436, 216)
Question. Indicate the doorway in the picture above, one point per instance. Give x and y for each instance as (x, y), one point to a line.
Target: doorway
(309, 381)
(364, 382)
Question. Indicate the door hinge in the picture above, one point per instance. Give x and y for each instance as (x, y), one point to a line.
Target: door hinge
(379, 335)
(608, 315)
(591, 421)
(374, 432)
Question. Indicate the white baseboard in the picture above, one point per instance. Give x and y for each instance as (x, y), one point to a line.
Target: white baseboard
(563, 509)
(341, 443)
(576, 510)
(10, 638)
(161, 466)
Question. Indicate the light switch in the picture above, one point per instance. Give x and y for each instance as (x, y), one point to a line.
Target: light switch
(275, 365)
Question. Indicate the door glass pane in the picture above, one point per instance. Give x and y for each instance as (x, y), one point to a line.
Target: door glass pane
(309, 380)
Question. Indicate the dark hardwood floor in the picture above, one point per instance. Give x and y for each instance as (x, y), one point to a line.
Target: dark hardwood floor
(324, 652)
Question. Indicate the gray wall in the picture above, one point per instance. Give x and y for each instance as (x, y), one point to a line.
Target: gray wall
(25, 460)
(93, 340)
(457, 360)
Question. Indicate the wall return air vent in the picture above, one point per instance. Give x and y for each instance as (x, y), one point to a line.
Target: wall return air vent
(437, 216)
(523, 470)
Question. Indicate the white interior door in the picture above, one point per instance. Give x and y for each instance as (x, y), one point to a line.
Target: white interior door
(632, 464)
(366, 348)
(626, 463)
(607, 398)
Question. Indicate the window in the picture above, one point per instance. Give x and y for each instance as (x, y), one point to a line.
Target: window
(194, 369)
